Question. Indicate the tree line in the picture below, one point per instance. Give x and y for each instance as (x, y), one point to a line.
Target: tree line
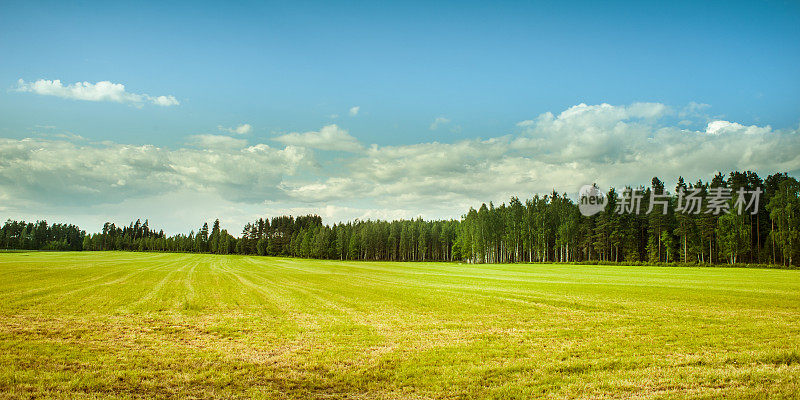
(551, 228)
(548, 228)
(40, 236)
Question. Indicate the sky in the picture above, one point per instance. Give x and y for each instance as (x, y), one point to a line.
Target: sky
(183, 112)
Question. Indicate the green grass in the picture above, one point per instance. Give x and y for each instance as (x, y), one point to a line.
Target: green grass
(98, 325)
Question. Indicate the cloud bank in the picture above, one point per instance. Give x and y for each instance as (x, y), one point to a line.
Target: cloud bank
(100, 91)
(606, 144)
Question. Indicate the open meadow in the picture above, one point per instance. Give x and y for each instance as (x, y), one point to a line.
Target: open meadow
(127, 325)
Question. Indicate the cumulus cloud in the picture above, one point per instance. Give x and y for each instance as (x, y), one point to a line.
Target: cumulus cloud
(610, 145)
(439, 121)
(241, 129)
(722, 127)
(354, 111)
(526, 123)
(100, 91)
(330, 137)
(63, 172)
(217, 142)
(164, 101)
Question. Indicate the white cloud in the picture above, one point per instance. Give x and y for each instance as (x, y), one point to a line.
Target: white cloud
(100, 91)
(603, 114)
(217, 142)
(438, 122)
(241, 129)
(354, 111)
(694, 108)
(610, 145)
(330, 137)
(720, 127)
(60, 172)
(164, 101)
(526, 123)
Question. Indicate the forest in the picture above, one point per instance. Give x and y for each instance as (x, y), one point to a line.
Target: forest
(547, 228)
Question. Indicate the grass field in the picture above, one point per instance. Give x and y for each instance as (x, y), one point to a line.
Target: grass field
(97, 325)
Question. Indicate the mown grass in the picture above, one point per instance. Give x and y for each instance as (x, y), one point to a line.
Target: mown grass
(135, 325)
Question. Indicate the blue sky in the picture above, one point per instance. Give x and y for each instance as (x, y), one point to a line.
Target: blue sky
(294, 67)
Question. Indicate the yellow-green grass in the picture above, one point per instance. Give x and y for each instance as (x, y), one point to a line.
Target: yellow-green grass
(127, 325)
